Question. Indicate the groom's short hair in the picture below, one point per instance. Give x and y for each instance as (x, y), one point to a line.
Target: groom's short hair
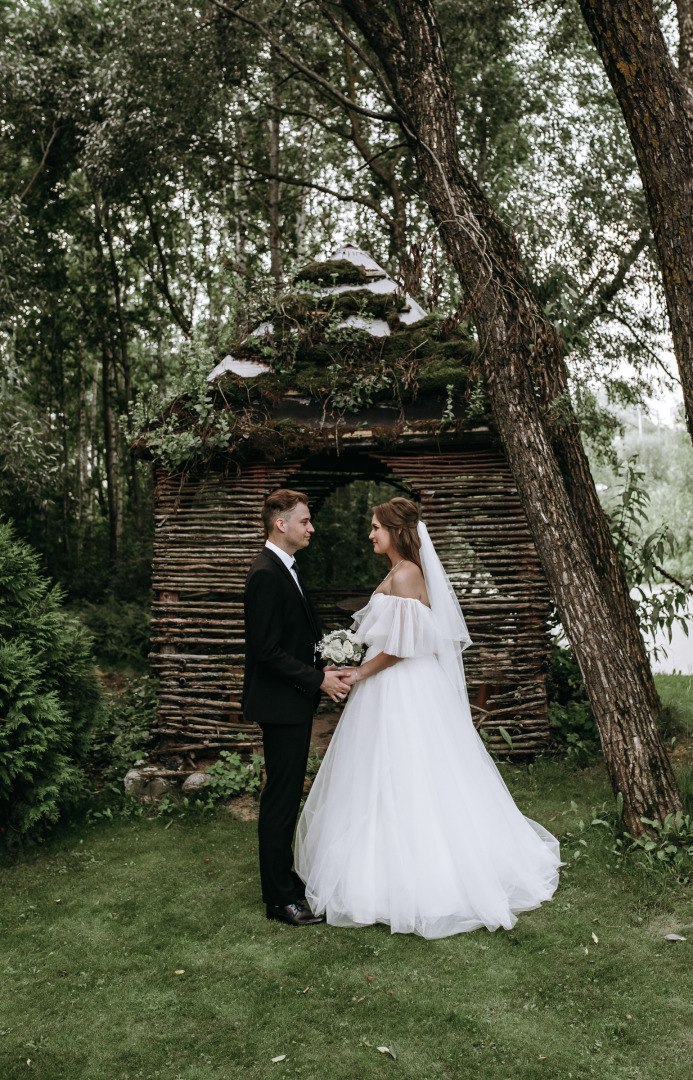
(278, 503)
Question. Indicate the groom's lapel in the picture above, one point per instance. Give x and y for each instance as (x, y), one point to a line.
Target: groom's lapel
(301, 595)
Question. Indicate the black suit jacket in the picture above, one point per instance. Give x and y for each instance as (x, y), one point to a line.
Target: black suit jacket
(282, 678)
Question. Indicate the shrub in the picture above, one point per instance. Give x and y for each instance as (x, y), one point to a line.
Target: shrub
(667, 844)
(570, 716)
(123, 734)
(49, 695)
(119, 628)
(230, 776)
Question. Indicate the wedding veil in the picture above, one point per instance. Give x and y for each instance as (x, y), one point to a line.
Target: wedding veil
(446, 611)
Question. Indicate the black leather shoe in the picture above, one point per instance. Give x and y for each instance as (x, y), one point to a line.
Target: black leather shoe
(294, 914)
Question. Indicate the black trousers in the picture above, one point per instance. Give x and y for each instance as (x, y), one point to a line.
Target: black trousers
(286, 749)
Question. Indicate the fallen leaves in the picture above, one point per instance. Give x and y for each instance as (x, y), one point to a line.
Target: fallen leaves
(387, 1050)
(673, 937)
(280, 1057)
(595, 939)
(180, 971)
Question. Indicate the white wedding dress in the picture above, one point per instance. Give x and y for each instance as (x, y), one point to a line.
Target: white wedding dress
(409, 822)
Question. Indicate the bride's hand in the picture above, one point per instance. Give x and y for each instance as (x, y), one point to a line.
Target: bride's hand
(350, 675)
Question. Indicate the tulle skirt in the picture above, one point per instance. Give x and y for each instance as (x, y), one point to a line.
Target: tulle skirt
(409, 822)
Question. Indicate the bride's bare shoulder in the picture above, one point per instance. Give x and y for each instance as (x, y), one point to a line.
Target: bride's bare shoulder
(408, 581)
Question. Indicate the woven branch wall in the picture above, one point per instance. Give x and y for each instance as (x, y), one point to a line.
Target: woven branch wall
(208, 532)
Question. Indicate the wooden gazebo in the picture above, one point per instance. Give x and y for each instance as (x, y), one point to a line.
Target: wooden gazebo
(411, 428)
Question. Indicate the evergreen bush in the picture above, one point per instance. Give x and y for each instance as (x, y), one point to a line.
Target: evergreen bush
(50, 697)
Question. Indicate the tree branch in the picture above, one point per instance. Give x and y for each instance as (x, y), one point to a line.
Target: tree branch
(163, 285)
(297, 181)
(333, 129)
(351, 44)
(643, 345)
(42, 162)
(610, 288)
(235, 13)
(385, 150)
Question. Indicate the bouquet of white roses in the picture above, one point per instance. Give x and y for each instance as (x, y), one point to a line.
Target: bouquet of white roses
(340, 647)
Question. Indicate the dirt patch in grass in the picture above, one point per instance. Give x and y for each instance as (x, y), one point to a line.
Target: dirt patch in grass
(244, 807)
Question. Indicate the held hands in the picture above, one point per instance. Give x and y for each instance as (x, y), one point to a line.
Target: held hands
(350, 675)
(334, 684)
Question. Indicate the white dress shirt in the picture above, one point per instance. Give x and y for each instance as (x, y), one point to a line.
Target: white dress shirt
(288, 561)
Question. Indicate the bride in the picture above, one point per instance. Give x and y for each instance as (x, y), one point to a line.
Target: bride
(409, 822)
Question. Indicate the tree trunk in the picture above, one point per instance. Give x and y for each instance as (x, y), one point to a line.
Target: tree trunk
(108, 384)
(81, 450)
(274, 203)
(684, 15)
(57, 363)
(386, 176)
(127, 380)
(658, 109)
(519, 348)
(93, 453)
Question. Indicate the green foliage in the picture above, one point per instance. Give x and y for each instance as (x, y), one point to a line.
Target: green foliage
(665, 455)
(642, 556)
(313, 764)
(123, 734)
(188, 424)
(133, 202)
(119, 629)
(29, 460)
(570, 716)
(231, 776)
(684, 779)
(665, 844)
(49, 696)
(340, 551)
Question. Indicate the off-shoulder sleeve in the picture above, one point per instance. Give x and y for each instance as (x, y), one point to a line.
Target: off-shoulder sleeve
(396, 625)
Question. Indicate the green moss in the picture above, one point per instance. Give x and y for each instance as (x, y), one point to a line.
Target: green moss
(413, 359)
(342, 370)
(310, 309)
(332, 272)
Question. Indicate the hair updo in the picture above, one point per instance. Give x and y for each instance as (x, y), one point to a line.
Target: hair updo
(400, 517)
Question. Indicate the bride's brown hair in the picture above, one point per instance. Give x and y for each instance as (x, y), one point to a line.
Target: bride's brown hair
(400, 517)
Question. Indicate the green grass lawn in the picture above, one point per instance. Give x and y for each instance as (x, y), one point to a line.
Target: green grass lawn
(95, 928)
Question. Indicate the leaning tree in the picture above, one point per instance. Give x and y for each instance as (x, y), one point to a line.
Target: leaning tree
(656, 98)
(522, 360)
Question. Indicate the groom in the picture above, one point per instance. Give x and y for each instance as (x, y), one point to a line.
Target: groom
(281, 689)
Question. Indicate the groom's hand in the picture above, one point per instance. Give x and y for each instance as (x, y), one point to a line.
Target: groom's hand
(333, 685)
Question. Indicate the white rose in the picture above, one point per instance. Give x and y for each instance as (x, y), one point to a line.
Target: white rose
(348, 649)
(338, 654)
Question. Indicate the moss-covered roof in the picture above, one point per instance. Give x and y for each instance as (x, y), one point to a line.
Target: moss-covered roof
(321, 347)
(332, 272)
